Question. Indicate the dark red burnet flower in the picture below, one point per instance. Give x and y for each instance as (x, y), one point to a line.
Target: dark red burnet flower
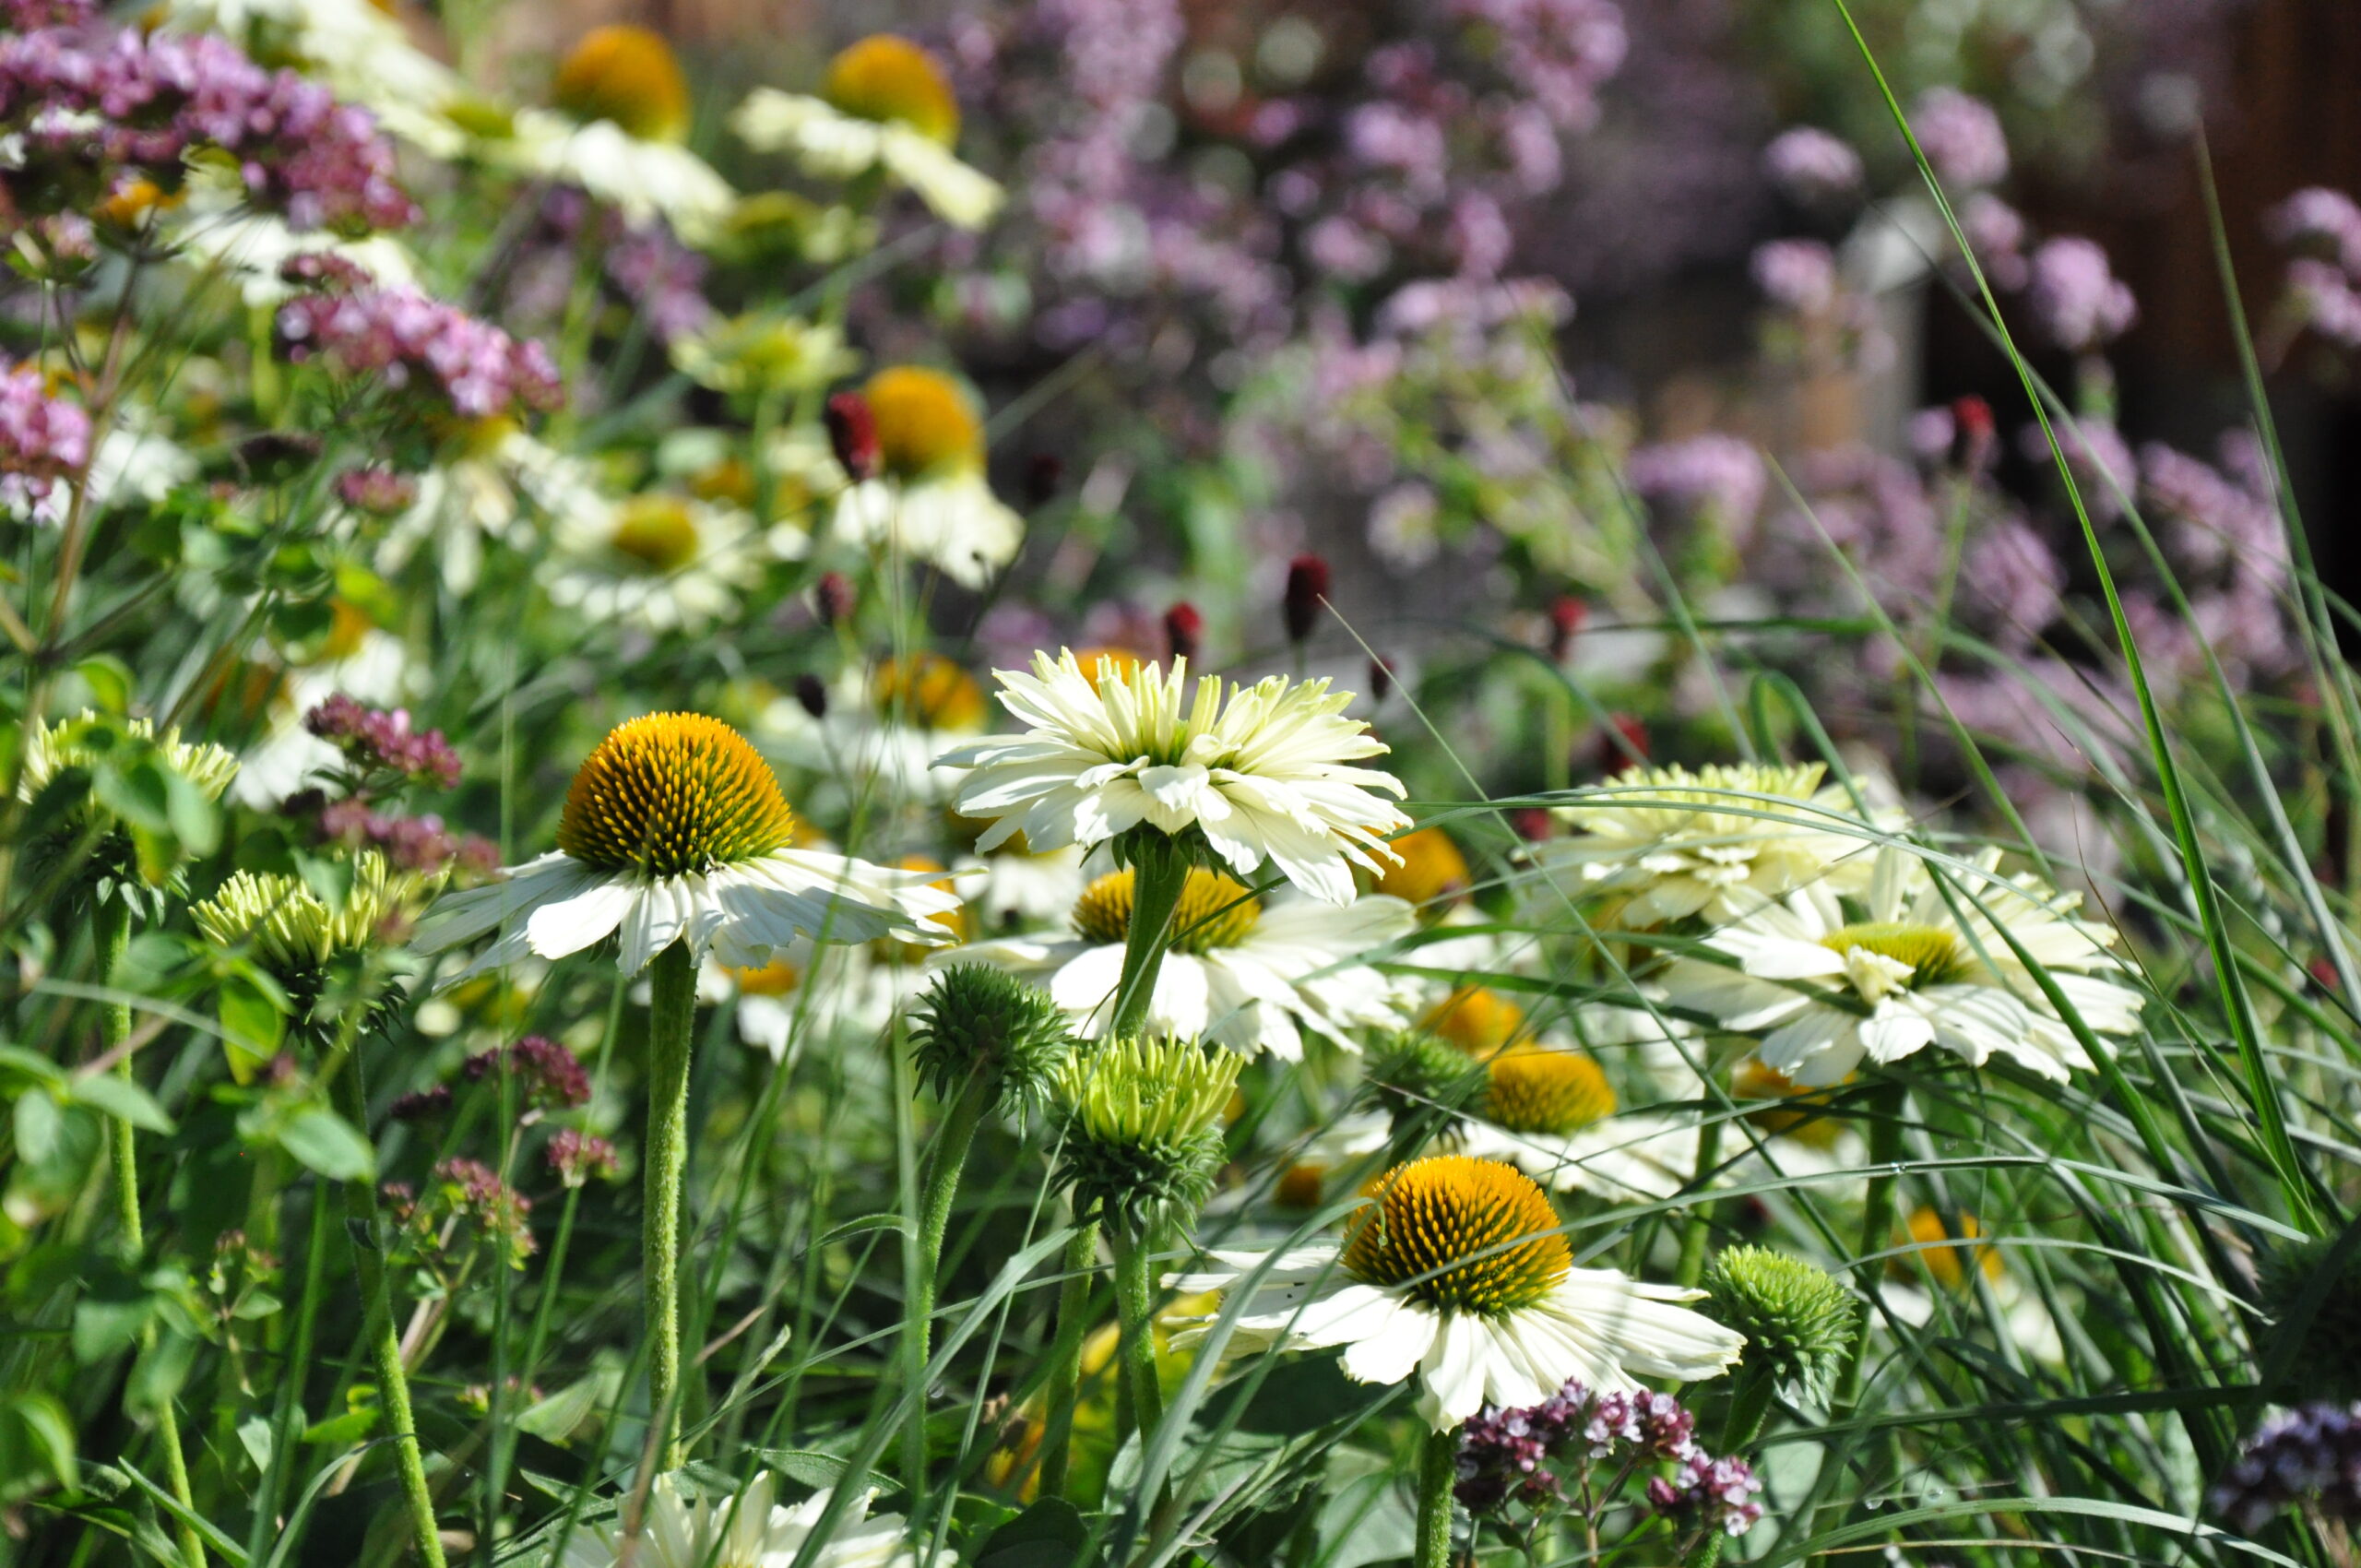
(833, 599)
(1184, 630)
(811, 695)
(1622, 744)
(1380, 678)
(1044, 471)
(1567, 615)
(853, 434)
(1306, 588)
(1973, 435)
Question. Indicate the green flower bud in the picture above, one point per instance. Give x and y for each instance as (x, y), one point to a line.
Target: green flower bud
(2328, 1351)
(298, 935)
(975, 1018)
(1420, 1078)
(125, 804)
(1799, 1324)
(1142, 1121)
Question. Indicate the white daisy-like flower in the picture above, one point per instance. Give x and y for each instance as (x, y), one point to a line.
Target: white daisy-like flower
(136, 462)
(670, 562)
(1551, 1113)
(1016, 889)
(1265, 776)
(1925, 966)
(360, 50)
(358, 658)
(1715, 842)
(674, 829)
(929, 499)
(747, 1530)
(1240, 973)
(883, 726)
(883, 106)
(1459, 1272)
(484, 480)
(216, 232)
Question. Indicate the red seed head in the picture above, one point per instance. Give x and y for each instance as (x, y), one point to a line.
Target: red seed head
(1184, 630)
(812, 694)
(852, 433)
(1307, 586)
(1380, 678)
(833, 599)
(1567, 615)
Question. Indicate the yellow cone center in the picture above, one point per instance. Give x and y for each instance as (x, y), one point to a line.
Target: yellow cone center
(925, 423)
(1433, 870)
(657, 532)
(1476, 1019)
(628, 75)
(1533, 1089)
(670, 795)
(1462, 1235)
(1213, 911)
(777, 977)
(1933, 954)
(927, 692)
(888, 79)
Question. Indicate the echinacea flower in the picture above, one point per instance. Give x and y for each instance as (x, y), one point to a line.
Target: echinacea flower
(884, 105)
(747, 1530)
(929, 499)
(674, 829)
(667, 562)
(1263, 775)
(1921, 967)
(882, 727)
(1715, 842)
(1459, 1272)
(1240, 972)
(1551, 1113)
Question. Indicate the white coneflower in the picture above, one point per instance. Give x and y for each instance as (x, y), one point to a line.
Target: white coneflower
(1263, 775)
(674, 830)
(882, 727)
(1239, 972)
(486, 478)
(1919, 968)
(668, 562)
(358, 49)
(884, 105)
(1459, 1272)
(1715, 842)
(929, 499)
(1551, 1113)
(747, 1530)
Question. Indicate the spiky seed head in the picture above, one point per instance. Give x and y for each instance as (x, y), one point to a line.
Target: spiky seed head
(1142, 1124)
(975, 1018)
(2327, 1352)
(1419, 1075)
(1799, 1324)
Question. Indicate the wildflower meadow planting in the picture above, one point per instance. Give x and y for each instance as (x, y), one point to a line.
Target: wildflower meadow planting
(979, 794)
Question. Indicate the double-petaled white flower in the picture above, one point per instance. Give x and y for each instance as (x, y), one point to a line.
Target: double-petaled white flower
(747, 1530)
(674, 830)
(1266, 775)
(1927, 964)
(1459, 1272)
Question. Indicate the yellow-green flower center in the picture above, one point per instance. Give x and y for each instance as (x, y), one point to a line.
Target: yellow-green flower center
(887, 78)
(1476, 1018)
(1539, 1090)
(1462, 1234)
(626, 75)
(657, 531)
(927, 692)
(1431, 869)
(670, 795)
(1933, 954)
(925, 423)
(1213, 911)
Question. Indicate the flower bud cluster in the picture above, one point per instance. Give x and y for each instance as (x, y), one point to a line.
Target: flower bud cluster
(2312, 1455)
(577, 1157)
(377, 741)
(503, 1216)
(552, 1077)
(421, 345)
(42, 439)
(420, 844)
(1507, 1455)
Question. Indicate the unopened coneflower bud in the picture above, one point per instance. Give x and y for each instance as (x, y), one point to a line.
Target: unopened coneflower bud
(2328, 1353)
(853, 434)
(1799, 1324)
(1184, 630)
(1043, 473)
(833, 599)
(978, 1020)
(1307, 586)
(1421, 1076)
(811, 693)
(1567, 615)
(577, 1157)
(1142, 1124)
(1380, 678)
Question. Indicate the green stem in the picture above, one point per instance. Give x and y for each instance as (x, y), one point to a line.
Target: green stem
(111, 933)
(951, 1146)
(290, 1394)
(1065, 1357)
(672, 978)
(1136, 1313)
(385, 1342)
(1438, 1467)
(1160, 875)
(1750, 1406)
(1876, 1219)
(1700, 1230)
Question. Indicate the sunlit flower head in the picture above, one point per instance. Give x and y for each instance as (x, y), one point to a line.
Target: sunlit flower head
(1924, 965)
(1263, 775)
(622, 106)
(744, 1530)
(930, 499)
(665, 561)
(1714, 842)
(1550, 1112)
(674, 829)
(883, 105)
(1429, 872)
(1240, 972)
(628, 75)
(1476, 1018)
(1459, 1271)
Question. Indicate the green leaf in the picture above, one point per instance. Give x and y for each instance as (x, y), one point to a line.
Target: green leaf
(195, 820)
(328, 1144)
(254, 1436)
(808, 1465)
(339, 1431)
(253, 1018)
(108, 1319)
(35, 1431)
(110, 682)
(37, 1124)
(139, 794)
(1049, 1534)
(16, 1060)
(157, 1376)
(119, 1097)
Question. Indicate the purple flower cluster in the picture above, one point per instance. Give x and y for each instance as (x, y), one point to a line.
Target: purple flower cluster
(1506, 1456)
(42, 439)
(25, 15)
(1810, 166)
(1798, 276)
(645, 265)
(2311, 1454)
(1962, 139)
(94, 106)
(2076, 297)
(552, 1076)
(503, 1214)
(2323, 287)
(1715, 473)
(423, 344)
(379, 492)
(420, 844)
(577, 1157)
(375, 739)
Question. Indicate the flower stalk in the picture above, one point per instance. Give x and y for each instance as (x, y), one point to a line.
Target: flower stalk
(1161, 876)
(672, 980)
(1876, 1218)
(1064, 1388)
(1136, 1319)
(1437, 1466)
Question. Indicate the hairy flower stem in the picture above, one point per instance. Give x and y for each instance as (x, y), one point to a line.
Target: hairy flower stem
(1065, 1356)
(1437, 1468)
(1750, 1406)
(1692, 1266)
(951, 1146)
(386, 1345)
(110, 933)
(672, 980)
(1160, 877)
(1135, 1315)
(1877, 1220)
